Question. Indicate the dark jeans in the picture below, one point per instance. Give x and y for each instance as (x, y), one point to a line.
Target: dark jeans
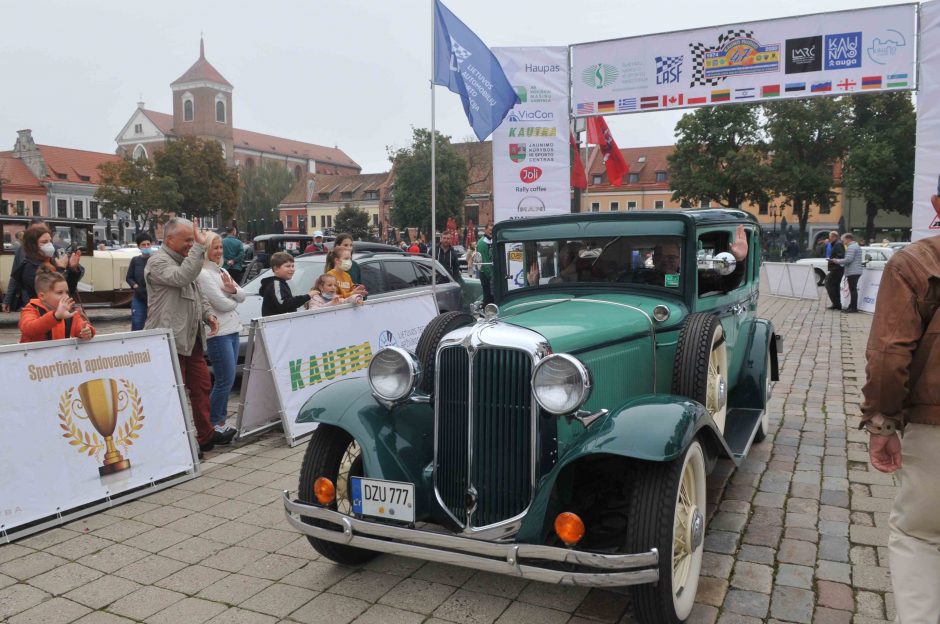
(195, 373)
(138, 314)
(834, 286)
(853, 289)
(487, 286)
(223, 353)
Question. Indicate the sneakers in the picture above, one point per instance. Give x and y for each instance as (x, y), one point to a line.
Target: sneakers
(223, 434)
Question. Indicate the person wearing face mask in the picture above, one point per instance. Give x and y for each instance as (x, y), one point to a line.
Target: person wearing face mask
(38, 251)
(135, 278)
(338, 264)
(324, 294)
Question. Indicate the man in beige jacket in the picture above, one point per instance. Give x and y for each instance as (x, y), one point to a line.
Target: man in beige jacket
(174, 302)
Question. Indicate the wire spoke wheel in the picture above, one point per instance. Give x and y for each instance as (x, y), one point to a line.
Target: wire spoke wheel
(351, 456)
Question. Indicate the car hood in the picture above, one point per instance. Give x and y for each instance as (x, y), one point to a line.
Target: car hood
(571, 323)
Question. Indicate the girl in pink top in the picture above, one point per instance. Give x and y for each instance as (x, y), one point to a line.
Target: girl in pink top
(325, 294)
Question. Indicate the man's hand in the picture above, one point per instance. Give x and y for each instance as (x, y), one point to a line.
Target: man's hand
(228, 284)
(885, 452)
(85, 333)
(74, 258)
(739, 246)
(532, 277)
(199, 236)
(213, 325)
(65, 309)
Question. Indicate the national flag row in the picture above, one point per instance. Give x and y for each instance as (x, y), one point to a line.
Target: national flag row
(622, 105)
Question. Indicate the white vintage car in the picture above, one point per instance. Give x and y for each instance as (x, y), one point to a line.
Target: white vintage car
(871, 257)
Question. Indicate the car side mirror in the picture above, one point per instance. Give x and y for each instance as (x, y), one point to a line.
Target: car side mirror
(723, 263)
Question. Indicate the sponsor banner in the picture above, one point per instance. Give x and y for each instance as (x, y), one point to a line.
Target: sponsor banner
(531, 154)
(823, 54)
(925, 220)
(87, 425)
(296, 355)
(867, 286)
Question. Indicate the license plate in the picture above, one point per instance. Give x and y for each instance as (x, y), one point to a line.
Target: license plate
(393, 500)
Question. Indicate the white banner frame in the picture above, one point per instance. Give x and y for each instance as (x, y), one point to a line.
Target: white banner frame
(254, 336)
(925, 221)
(10, 534)
(791, 285)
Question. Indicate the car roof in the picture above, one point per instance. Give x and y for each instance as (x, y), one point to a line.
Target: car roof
(702, 216)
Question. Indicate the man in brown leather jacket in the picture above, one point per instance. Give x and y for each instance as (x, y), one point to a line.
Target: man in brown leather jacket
(902, 393)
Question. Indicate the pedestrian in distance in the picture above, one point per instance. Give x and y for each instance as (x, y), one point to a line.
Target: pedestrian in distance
(233, 254)
(135, 279)
(223, 294)
(317, 245)
(485, 249)
(835, 251)
(52, 315)
(276, 295)
(174, 302)
(449, 257)
(852, 265)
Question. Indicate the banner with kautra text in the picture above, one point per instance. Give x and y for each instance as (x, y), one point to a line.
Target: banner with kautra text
(925, 220)
(531, 152)
(827, 54)
(295, 355)
(85, 424)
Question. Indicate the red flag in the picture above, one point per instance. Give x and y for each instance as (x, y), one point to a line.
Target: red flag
(599, 133)
(578, 175)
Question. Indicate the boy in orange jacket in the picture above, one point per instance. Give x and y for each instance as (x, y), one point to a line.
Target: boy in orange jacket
(52, 315)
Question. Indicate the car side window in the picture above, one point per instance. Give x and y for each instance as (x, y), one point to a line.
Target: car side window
(371, 273)
(424, 275)
(400, 274)
(710, 244)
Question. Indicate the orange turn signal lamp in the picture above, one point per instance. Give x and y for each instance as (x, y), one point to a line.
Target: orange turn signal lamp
(324, 490)
(569, 527)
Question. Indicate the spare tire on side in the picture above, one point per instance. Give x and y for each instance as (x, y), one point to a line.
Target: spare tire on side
(426, 350)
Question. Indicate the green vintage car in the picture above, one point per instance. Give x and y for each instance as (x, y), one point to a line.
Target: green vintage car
(565, 434)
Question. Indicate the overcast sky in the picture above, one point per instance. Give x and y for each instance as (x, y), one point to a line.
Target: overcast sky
(351, 73)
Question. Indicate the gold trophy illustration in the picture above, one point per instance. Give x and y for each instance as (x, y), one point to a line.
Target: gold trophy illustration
(99, 398)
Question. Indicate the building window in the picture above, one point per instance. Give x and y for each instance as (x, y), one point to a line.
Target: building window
(140, 152)
(220, 110)
(659, 204)
(660, 176)
(631, 205)
(37, 208)
(93, 210)
(633, 178)
(595, 207)
(598, 179)
(614, 206)
(329, 221)
(138, 128)
(825, 209)
(322, 221)
(188, 112)
(62, 208)
(290, 221)
(78, 209)
(249, 163)
(371, 195)
(324, 197)
(62, 176)
(346, 195)
(375, 220)
(762, 208)
(298, 171)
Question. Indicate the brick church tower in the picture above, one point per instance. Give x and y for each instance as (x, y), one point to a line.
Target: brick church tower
(202, 104)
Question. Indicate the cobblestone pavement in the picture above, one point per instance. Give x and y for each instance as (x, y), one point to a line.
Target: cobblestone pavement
(798, 533)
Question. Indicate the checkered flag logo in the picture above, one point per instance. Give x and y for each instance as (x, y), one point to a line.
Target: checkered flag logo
(665, 66)
(698, 51)
(460, 53)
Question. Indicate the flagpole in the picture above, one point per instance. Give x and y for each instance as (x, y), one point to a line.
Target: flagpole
(433, 152)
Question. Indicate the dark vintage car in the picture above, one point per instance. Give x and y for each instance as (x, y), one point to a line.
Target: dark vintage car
(565, 436)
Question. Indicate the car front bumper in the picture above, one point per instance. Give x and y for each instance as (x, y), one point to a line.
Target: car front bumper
(529, 561)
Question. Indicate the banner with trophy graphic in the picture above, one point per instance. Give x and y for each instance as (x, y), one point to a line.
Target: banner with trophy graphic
(87, 425)
(295, 355)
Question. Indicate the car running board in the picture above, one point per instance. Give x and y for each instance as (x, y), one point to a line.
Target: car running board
(741, 425)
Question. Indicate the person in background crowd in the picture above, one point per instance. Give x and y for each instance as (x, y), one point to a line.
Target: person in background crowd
(338, 264)
(223, 294)
(233, 252)
(52, 315)
(11, 300)
(423, 246)
(793, 250)
(18, 240)
(345, 241)
(448, 257)
(135, 278)
(901, 396)
(414, 249)
(277, 297)
(485, 249)
(174, 302)
(324, 294)
(317, 246)
(38, 251)
(472, 271)
(835, 251)
(852, 265)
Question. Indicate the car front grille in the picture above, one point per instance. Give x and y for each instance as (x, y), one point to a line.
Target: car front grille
(484, 433)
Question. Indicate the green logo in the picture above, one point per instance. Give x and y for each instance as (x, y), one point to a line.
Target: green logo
(672, 280)
(523, 94)
(599, 76)
(318, 368)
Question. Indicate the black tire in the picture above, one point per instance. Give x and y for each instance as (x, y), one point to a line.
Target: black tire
(652, 523)
(693, 353)
(323, 458)
(820, 277)
(426, 350)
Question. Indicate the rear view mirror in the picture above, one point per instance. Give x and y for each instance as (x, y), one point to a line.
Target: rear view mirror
(722, 263)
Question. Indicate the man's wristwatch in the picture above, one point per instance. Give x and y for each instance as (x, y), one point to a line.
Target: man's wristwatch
(882, 426)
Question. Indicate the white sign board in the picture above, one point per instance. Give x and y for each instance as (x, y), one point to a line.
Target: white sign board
(531, 155)
(867, 286)
(788, 279)
(857, 51)
(85, 423)
(296, 355)
(925, 220)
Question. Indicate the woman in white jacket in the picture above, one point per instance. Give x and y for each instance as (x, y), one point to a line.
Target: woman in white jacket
(223, 295)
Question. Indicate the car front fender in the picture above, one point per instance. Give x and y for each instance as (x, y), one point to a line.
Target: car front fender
(752, 380)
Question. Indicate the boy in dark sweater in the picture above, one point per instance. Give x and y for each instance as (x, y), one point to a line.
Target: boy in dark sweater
(275, 291)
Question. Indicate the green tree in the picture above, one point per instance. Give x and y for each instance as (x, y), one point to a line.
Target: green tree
(209, 187)
(807, 137)
(879, 167)
(719, 156)
(353, 220)
(132, 186)
(412, 166)
(263, 188)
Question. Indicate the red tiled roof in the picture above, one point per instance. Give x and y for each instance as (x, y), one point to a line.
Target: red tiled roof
(15, 172)
(77, 165)
(202, 70)
(653, 160)
(256, 141)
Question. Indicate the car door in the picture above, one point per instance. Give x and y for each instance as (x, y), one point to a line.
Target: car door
(449, 293)
(399, 274)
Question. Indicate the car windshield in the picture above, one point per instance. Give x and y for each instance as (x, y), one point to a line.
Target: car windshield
(305, 274)
(646, 260)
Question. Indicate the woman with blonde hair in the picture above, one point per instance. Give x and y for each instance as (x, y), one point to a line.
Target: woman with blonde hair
(223, 295)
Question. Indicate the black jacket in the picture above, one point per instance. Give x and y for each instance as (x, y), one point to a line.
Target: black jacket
(135, 275)
(451, 261)
(277, 297)
(837, 251)
(25, 276)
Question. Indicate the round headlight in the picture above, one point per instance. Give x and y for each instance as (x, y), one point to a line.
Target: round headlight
(561, 384)
(393, 373)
